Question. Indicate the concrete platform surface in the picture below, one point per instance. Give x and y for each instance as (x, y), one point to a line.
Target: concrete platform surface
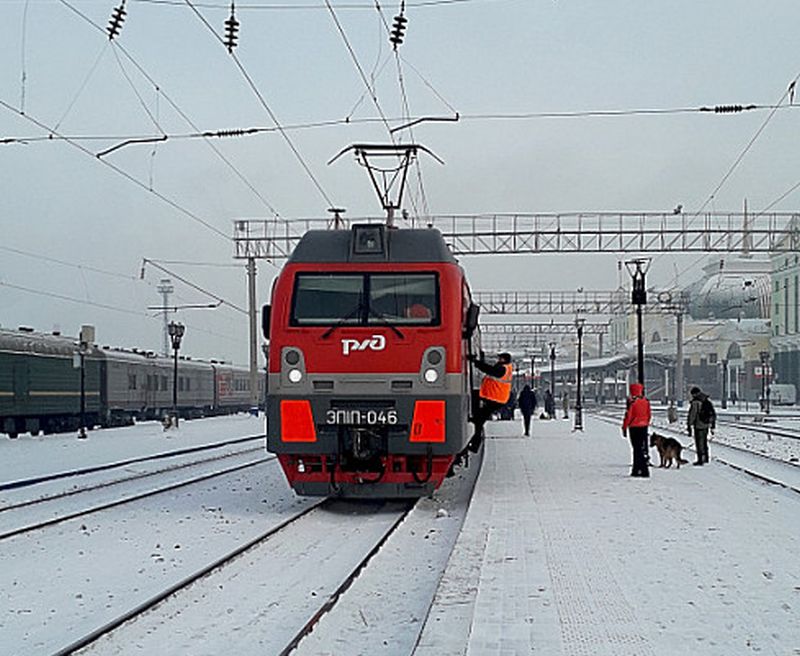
(563, 553)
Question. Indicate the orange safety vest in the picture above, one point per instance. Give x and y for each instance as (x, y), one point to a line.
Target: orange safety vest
(497, 389)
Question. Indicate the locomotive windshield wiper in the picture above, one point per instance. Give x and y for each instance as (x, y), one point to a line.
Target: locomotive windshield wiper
(358, 309)
(384, 321)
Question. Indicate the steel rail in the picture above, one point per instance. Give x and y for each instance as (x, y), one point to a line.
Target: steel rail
(136, 497)
(12, 485)
(153, 601)
(330, 602)
(118, 481)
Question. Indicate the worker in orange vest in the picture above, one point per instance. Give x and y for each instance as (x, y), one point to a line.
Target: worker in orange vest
(495, 392)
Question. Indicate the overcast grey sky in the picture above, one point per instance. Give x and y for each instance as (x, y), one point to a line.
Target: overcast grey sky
(478, 57)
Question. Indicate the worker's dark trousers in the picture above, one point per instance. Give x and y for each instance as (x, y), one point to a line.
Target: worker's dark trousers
(482, 415)
(638, 437)
(701, 444)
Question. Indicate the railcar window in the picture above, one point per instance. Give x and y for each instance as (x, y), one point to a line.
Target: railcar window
(324, 299)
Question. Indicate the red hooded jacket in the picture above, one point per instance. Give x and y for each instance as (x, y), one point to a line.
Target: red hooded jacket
(638, 413)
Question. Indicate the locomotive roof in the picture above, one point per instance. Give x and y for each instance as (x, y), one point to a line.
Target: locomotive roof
(398, 245)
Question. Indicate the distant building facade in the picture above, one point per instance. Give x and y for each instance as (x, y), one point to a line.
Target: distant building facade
(785, 341)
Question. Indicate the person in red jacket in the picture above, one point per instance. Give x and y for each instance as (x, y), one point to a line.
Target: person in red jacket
(637, 419)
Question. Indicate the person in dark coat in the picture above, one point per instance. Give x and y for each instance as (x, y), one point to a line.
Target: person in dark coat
(549, 405)
(701, 418)
(527, 405)
(635, 423)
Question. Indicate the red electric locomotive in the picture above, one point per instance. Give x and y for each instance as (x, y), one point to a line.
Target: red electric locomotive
(369, 388)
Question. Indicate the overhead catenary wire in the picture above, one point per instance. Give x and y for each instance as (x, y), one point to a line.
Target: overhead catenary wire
(112, 308)
(282, 6)
(82, 86)
(71, 299)
(172, 203)
(23, 55)
(138, 95)
(82, 267)
(175, 107)
(254, 88)
(712, 196)
(370, 90)
(189, 283)
(311, 125)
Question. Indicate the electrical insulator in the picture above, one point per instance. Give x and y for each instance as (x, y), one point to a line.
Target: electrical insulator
(398, 29)
(117, 19)
(231, 31)
(727, 109)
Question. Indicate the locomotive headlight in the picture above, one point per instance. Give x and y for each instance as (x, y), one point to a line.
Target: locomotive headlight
(431, 375)
(295, 375)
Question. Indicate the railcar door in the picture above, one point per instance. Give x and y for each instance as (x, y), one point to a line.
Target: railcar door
(22, 387)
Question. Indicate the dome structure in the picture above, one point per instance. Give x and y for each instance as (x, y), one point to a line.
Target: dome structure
(733, 286)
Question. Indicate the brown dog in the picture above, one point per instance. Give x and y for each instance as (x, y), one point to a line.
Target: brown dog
(669, 449)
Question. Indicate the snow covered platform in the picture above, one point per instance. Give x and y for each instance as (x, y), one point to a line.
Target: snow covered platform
(562, 552)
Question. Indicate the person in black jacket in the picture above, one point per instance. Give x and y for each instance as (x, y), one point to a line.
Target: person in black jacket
(527, 405)
(701, 418)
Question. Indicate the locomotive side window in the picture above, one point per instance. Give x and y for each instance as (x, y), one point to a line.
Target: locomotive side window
(321, 300)
(403, 298)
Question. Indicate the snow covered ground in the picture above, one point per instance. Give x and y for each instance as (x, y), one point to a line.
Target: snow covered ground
(27, 456)
(560, 552)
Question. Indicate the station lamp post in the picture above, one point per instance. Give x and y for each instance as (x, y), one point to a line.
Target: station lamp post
(725, 392)
(578, 403)
(176, 331)
(764, 356)
(553, 370)
(82, 348)
(637, 270)
(84, 342)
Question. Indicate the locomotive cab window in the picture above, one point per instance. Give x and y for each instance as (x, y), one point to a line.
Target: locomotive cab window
(366, 299)
(403, 298)
(320, 300)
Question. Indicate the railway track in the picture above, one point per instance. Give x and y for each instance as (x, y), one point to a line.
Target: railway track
(125, 479)
(27, 482)
(760, 428)
(52, 521)
(141, 609)
(212, 577)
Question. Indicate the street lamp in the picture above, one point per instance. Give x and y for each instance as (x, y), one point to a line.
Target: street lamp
(637, 269)
(176, 331)
(724, 403)
(86, 338)
(764, 356)
(578, 404)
